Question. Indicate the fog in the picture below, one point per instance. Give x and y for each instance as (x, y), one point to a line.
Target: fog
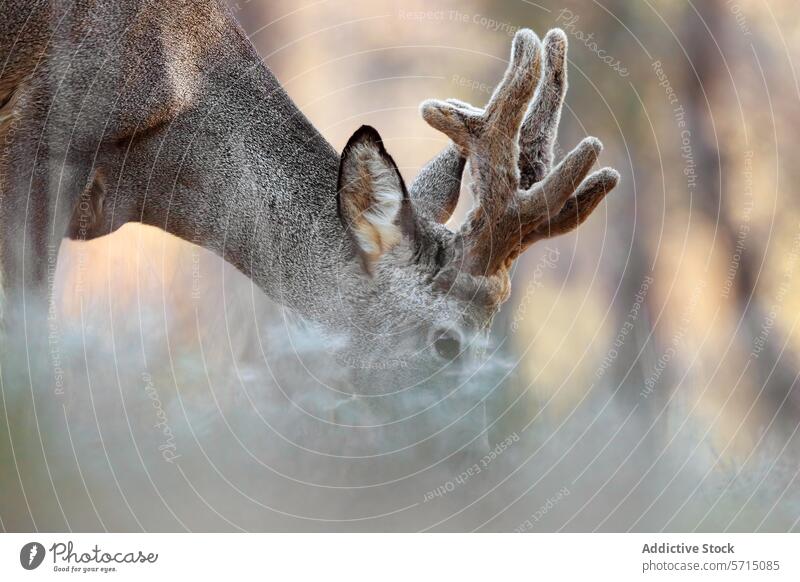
(234, 415)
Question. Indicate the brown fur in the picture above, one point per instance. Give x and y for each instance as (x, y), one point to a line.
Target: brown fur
(520, 199)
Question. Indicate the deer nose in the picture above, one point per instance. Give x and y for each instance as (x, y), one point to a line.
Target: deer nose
(447, 343)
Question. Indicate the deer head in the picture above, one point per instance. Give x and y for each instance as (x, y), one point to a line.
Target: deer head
(428, 293)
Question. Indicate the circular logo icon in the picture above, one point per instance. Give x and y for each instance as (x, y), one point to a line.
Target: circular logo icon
(31, 555)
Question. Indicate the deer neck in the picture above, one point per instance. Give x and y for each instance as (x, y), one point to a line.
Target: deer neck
(243, 173)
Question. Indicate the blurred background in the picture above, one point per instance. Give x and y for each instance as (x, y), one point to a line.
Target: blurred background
(646, 375)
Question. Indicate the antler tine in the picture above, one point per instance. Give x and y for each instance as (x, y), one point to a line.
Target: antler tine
(576, 209)
(547, 198)
(489, 137)
(573, 213)
(494, 163)
(508, 103)
(539, 129)
(548, 208)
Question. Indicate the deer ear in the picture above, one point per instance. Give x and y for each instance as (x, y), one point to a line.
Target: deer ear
(372, 198)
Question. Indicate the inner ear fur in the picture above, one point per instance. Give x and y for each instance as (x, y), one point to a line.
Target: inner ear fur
(372, 199)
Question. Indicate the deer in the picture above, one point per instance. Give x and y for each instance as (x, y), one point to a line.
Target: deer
(115, 113)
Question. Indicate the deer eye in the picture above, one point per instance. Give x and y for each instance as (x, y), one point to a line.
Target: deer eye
(447, 344)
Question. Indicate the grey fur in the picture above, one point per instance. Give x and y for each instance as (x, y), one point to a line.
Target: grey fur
(436, 188)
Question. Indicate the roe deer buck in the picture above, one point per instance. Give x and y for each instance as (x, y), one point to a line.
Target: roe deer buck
(116, 112)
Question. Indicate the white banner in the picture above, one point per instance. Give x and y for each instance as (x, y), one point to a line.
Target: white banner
(400, 557)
